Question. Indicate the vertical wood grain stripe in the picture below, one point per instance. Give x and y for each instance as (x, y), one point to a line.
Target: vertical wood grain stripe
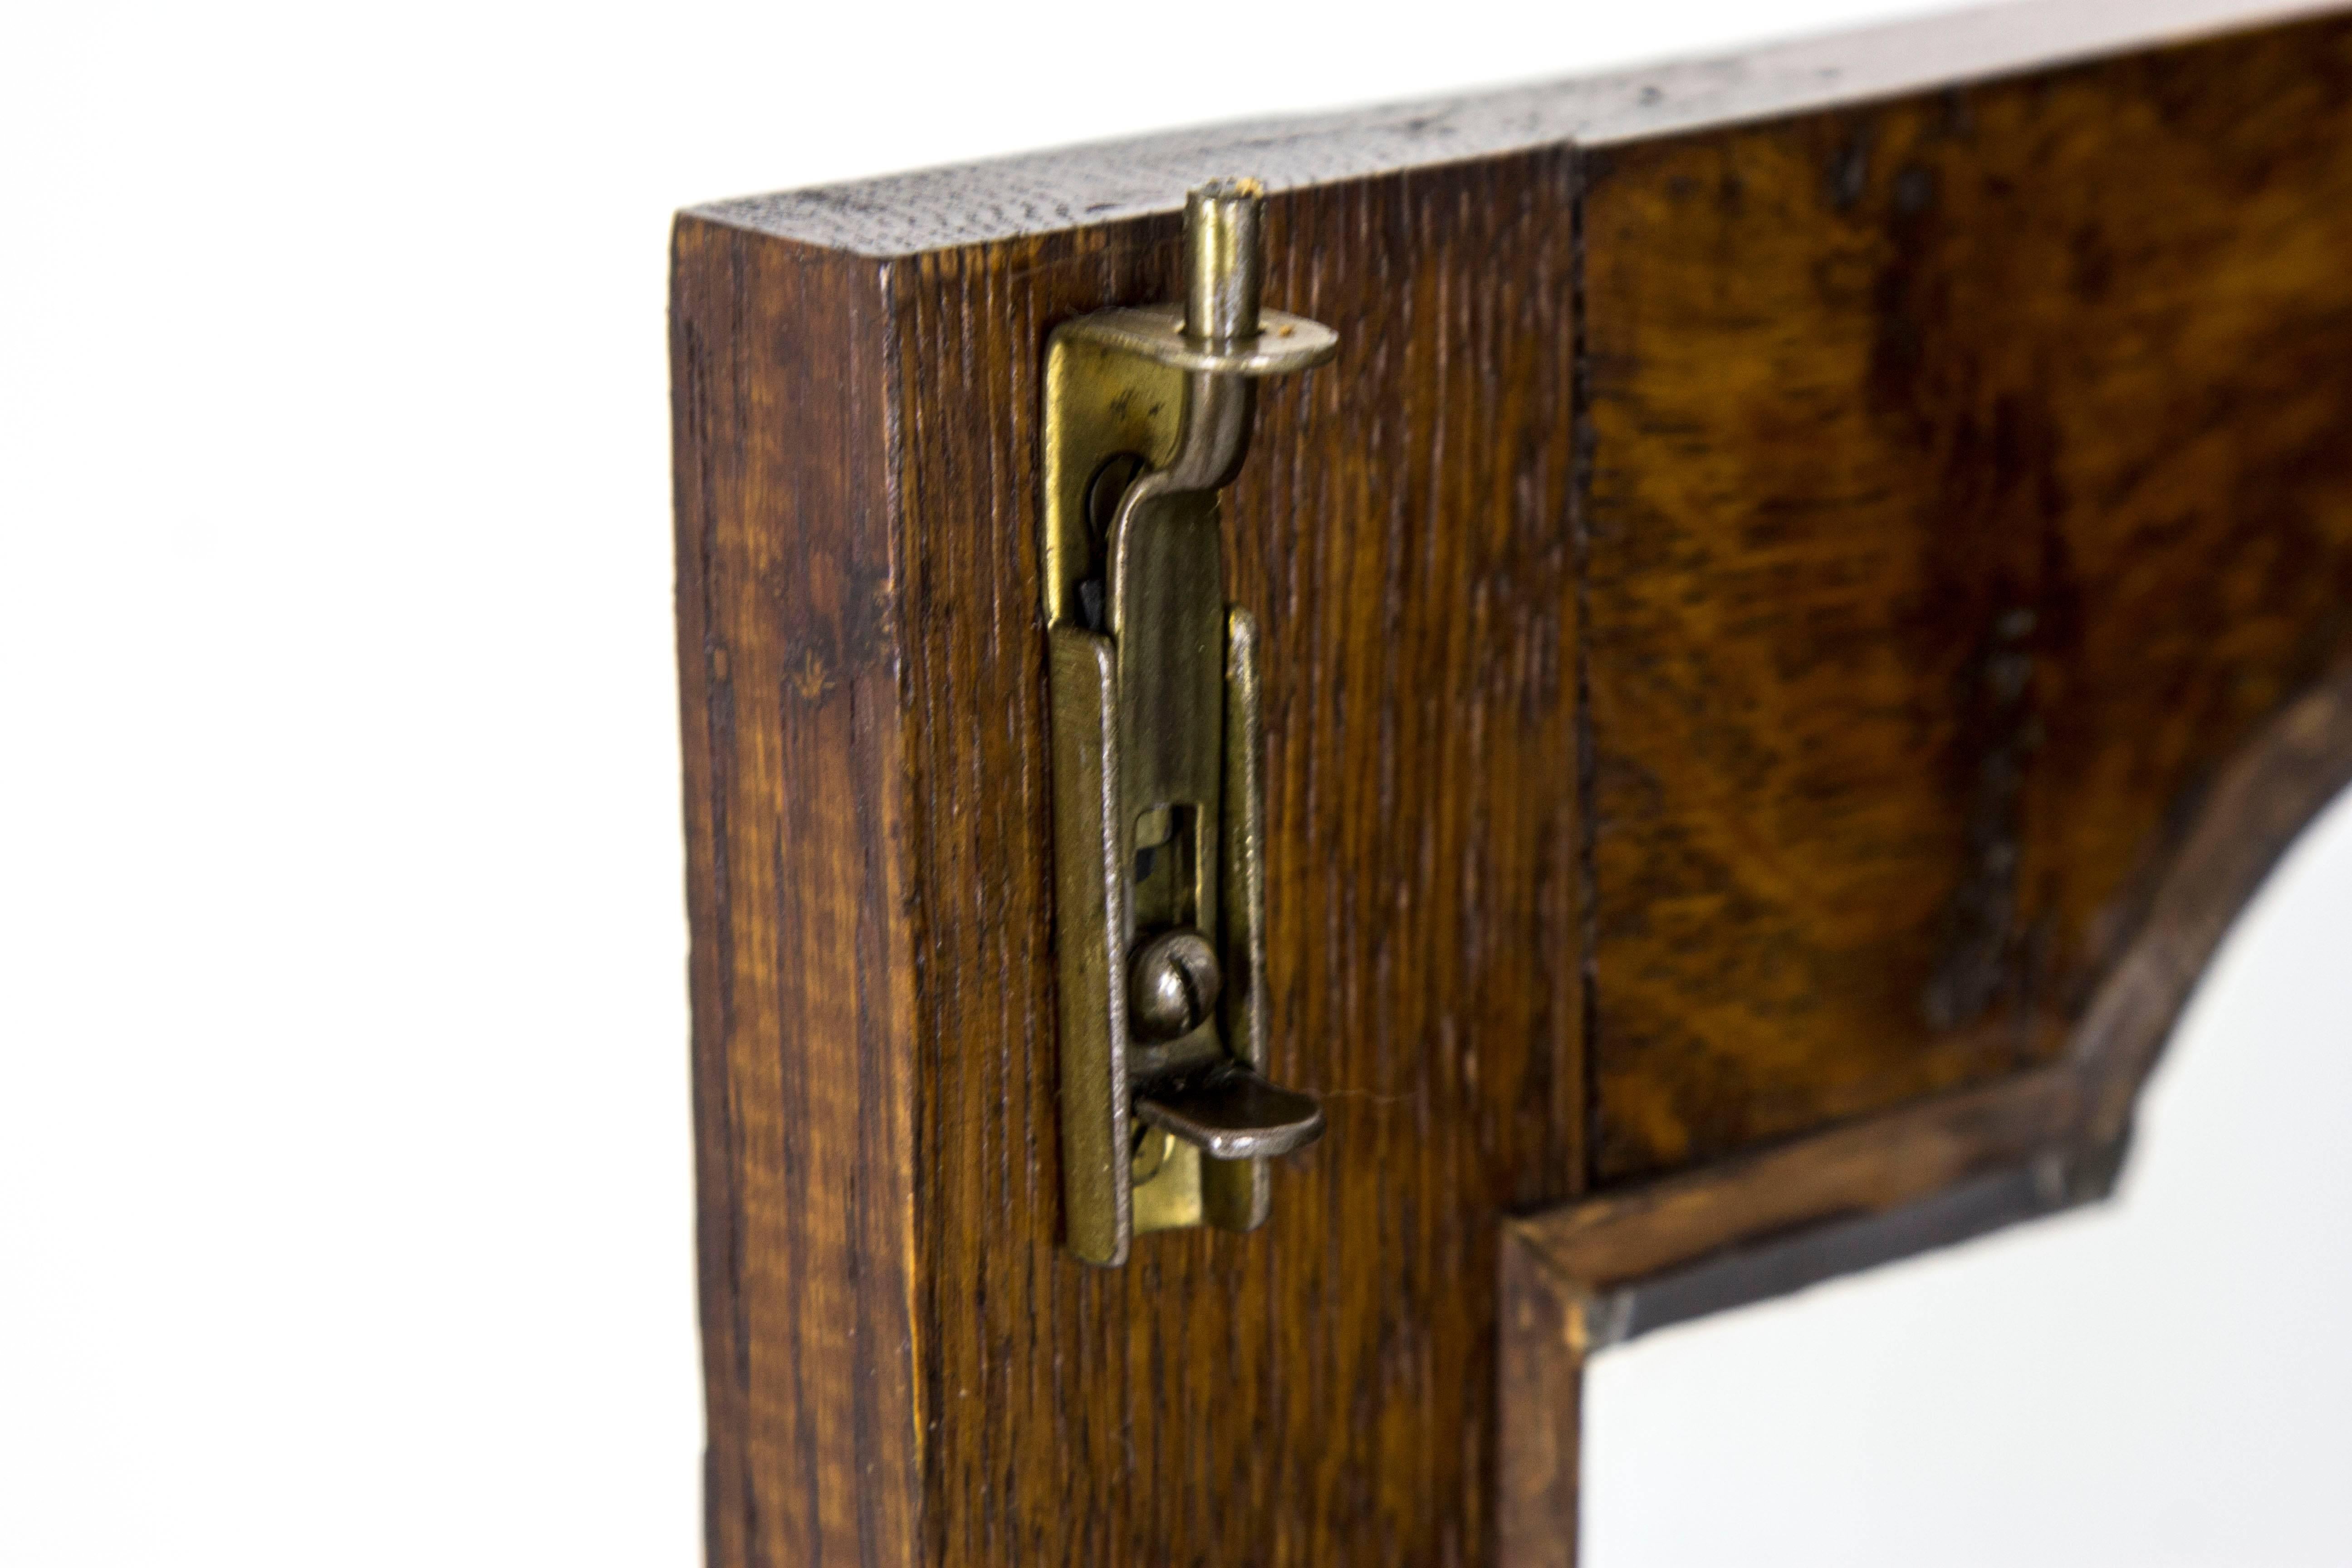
(797, 883)
(1316, 1392)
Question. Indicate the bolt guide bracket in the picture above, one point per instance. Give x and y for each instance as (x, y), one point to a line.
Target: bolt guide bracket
(1159, 806)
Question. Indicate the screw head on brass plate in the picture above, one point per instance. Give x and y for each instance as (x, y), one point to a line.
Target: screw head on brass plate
(1172, 984)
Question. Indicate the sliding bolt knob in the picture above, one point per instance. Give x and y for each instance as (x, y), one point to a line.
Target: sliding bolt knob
(1172, 984)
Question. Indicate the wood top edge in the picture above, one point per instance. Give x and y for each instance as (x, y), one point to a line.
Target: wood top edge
(1038, 193)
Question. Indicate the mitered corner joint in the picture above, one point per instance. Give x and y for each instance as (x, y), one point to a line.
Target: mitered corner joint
(1168, 1119)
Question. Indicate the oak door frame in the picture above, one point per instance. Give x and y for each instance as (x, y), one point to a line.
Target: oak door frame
(1810, 595)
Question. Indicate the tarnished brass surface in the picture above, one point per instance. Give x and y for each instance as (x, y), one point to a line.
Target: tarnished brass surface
(1282, 344)
(1101, 401)
(1089, 901)
(1168, 1189)
(1233, 1114)
(1242, 997)
(1225, 247)
(1238, 1195)
(1158, 806)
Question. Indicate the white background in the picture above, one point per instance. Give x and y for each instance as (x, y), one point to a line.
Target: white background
(345, 1209)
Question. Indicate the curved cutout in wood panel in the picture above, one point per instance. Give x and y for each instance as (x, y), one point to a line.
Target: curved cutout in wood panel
(1593, 1273)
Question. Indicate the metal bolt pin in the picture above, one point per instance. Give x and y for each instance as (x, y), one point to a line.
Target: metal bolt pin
(1225, 259)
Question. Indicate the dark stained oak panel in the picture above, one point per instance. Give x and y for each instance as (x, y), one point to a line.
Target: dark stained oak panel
(1756, 620)
(1317, 1392)
(802, 984)
(1314, 1392)
(1969, 477)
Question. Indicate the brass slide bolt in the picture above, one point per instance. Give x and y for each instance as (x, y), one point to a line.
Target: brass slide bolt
(1158, 806)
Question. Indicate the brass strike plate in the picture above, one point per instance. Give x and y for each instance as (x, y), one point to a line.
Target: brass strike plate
(1167, 1120)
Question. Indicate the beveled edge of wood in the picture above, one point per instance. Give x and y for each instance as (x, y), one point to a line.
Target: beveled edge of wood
(1538, 1431)
(1774, 1220)
(1037, 193)
(2258, 805)
(1942, 1170)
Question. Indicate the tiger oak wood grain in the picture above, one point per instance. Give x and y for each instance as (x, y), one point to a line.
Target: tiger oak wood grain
(1970, 478)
